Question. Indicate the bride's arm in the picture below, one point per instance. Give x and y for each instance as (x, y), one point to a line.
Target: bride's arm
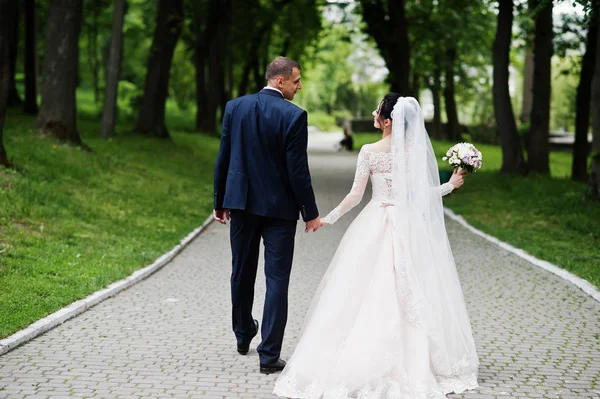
(446, 188)
(355, 195)
(456, 180)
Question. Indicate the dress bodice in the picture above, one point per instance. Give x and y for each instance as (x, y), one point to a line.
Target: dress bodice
(374, 161)
(379, 164)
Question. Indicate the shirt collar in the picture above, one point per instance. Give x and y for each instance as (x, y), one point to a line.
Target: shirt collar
(273, 88)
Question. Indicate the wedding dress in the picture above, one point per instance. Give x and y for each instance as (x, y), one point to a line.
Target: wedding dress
(388, 319)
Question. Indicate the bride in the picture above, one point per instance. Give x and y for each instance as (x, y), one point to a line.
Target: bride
(389, 319)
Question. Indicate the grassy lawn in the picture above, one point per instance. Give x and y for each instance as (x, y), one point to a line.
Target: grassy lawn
(72, 222)
(550, 218)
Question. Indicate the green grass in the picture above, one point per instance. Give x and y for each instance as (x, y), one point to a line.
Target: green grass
(323, 121)
(549, 217)
(72, 222)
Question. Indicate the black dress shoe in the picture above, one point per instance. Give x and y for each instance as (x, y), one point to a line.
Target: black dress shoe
(244, 347)
(272, 368)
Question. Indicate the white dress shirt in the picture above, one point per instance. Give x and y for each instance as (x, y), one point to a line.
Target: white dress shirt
(273, 88)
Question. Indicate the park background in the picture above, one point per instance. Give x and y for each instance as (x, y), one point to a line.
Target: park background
(110, 120)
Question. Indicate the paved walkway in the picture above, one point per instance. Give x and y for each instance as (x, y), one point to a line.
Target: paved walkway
(169, 336)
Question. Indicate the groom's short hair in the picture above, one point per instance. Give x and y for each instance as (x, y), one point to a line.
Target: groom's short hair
(281, 66)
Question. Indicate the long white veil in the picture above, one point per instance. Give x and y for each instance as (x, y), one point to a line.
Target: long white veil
(433, 295)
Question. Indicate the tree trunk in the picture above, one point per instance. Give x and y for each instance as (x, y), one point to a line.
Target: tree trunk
(581, 148)
(527, 87)
(437, 104)
(210, 72)
(388, 27)
(449, 97)
(151, 121)
(512, 154)
(213, 89)
(538, 146)
(30, 104)
(595, 177)
(13, 45)
(109, 113)
(5, 16)
(92, 49)
(201, 108)
(58, 112)
(252, 61)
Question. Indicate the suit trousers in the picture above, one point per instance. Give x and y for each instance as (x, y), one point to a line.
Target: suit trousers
(246, 231)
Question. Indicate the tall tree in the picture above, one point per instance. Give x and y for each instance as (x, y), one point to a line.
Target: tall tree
(450, 94)
(30, 104)
(109, 113)
(4, 71)
(595, 178)
(527, 86)
(93, 9)
(252, 77)
(581, 147)
(58, 111)
(13, 13)
(211, 26)
(386, 22)
(538, 146)
(512, 152)
(169, 19)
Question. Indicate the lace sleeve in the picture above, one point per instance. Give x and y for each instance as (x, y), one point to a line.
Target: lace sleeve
(446, 189)
(356, 193)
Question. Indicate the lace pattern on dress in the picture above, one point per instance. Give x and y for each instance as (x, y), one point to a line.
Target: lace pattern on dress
(378, 165)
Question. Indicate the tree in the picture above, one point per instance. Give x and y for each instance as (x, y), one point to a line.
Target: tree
(13, 45)
(58, 112)
(169, 19)
(211, 28)
(527, 86)
(436, 88)
(30, 103)
(538, 146)
(257, 50)
(4, 71)
(386, 22)
(91, 25)
(109, 113)
(447, 38)
(449, 94)
(595, 177)
(512, 153)
(582, 118)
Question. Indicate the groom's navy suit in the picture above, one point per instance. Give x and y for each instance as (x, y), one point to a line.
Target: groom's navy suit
(262, 177)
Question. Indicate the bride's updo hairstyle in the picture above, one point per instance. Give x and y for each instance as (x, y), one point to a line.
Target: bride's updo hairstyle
(386, 106)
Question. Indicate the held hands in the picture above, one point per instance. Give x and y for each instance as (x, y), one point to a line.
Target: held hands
(221, 216)
(458, 178)
(313, 225)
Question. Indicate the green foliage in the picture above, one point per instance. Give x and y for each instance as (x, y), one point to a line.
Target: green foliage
(564, 90)
(467, 26)
(549, 217)
(339, 72)
(72, 222)
(182, 82)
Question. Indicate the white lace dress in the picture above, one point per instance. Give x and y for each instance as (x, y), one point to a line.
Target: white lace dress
(359, 340)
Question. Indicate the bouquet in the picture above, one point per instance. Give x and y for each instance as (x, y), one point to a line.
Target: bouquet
(465, 156)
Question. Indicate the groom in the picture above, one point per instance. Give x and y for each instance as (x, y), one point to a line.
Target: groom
(262, 183)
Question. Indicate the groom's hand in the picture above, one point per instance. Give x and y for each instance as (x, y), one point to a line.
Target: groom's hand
(313, 225)
(221, 215)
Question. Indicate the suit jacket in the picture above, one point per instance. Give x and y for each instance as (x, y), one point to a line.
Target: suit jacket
(262, 166)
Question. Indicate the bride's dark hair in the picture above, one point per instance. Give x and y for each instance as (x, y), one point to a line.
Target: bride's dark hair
(386, 106)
